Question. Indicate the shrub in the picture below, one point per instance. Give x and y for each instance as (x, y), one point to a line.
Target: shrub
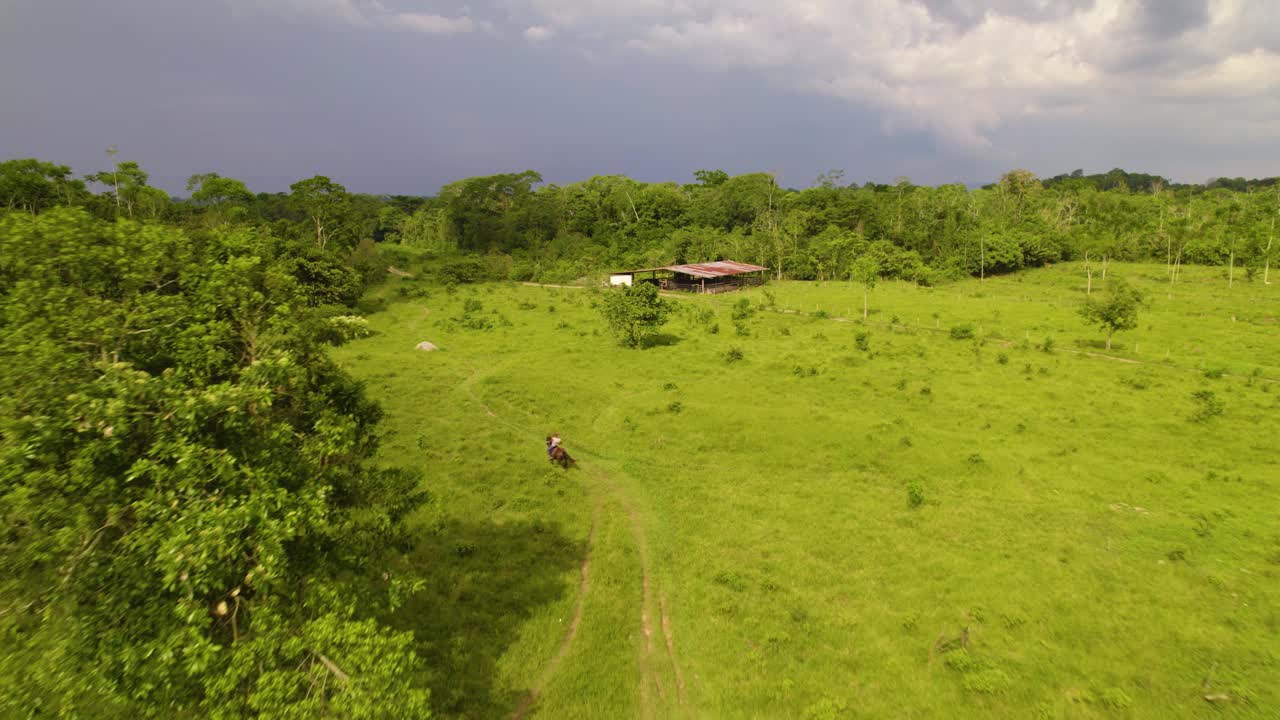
(1002, 358)
(962, 332)
(1047, 346)
(742, 310)
(862, 340)
(675, 407)
(1209, 406)
(915, 494)
(733, 354)
(740, 329)
(714, 329)
(344, 328)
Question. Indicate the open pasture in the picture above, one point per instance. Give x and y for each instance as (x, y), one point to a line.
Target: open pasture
(962, 507)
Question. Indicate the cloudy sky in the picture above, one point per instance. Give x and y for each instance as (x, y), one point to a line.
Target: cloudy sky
(400, 96)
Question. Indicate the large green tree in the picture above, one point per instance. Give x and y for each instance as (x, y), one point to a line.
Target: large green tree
(323, 202)
(1116, 310)
(634, 312)
(192, 525)
(33, 186)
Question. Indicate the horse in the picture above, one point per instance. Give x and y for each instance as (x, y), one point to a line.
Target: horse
(558, 455)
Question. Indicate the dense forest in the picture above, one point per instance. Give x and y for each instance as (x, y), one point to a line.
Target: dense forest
(192, 519)
(515, 226)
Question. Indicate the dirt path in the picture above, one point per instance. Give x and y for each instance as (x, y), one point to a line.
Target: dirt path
(653, 665)
(584, 586)
(654, 695)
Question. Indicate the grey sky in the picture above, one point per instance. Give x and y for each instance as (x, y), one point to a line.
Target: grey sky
(400, 96)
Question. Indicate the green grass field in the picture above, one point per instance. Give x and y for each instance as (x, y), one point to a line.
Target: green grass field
(853, 519)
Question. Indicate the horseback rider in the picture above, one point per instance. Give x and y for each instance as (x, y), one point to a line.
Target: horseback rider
(553, 442)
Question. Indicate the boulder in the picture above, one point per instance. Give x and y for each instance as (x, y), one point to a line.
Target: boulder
(426, 346)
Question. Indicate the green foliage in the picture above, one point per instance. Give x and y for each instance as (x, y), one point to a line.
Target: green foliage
(34, 186)
(733, 354)
(961, 332)
(742, 310)
(194, 528)
(862, 340)
(1118, 310)
(1208, 406)
(634, 312)
(915, 493)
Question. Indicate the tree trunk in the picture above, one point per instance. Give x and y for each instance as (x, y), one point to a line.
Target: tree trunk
(864, 302)
(1231, 273)
(1266, 272)
(1108, 339)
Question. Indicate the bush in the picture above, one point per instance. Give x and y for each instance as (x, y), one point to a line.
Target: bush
(962, 332)
(1209, 406)
(863, 341)
(733, 354)
(742, 310)
(915, 494)
(345, 328)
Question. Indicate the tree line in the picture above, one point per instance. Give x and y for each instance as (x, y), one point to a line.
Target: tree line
(515, 226)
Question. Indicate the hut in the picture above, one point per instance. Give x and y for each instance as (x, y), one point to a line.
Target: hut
(712, 277)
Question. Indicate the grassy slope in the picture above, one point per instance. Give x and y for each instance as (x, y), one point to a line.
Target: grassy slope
(1108, 556)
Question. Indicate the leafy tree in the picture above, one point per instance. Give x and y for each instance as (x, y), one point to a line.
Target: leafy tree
(323, 201)
(127, 183)
(711, 178)
(192, 525)
(865, 270)
(1117, 310)
(222, 198)
(34, 186)
(634, 312)
(213, 189)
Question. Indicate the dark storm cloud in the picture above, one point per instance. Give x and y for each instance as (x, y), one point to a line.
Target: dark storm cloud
(1164, 19)
(965, 14)
(405, 95)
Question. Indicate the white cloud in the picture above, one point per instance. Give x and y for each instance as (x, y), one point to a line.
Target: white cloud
(428, 23)
(958, 70)
(538, 33)
(370, 14)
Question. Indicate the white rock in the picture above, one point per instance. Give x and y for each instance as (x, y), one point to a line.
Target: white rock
(426, 346)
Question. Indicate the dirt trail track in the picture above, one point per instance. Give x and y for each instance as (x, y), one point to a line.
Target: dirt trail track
(656, 700)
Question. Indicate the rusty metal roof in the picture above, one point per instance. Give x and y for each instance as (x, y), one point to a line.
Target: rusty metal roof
(705, 270)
